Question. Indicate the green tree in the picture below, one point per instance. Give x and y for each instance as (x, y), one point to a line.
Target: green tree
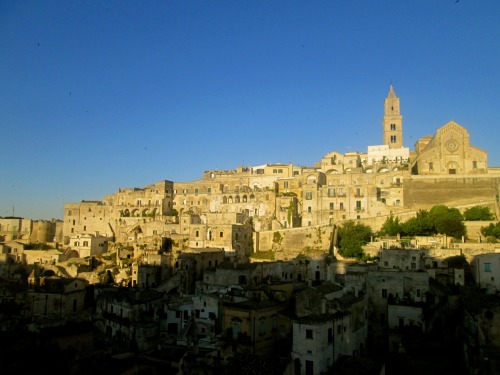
(447, 221)
(492, 230)
(391, 227)
(451, 227)
(478, 213)
(421, 225)
(352, 238)
(440, 211)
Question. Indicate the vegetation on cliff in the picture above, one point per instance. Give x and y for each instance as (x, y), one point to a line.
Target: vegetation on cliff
(439, 220)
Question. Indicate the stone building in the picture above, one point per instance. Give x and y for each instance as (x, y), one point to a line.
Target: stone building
(318, 341)
(57, 296)
(129, 318)
(449, 152)
(486, 271)
(89, 244)
(252, 326)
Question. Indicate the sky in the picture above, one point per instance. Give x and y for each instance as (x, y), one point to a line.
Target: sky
(101, 95)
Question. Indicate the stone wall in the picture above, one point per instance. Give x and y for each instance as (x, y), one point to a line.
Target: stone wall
(423, 192)
(288, 243)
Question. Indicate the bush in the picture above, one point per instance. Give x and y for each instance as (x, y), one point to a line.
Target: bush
(478, 213)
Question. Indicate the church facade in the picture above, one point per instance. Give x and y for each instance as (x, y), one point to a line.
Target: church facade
(449, 152)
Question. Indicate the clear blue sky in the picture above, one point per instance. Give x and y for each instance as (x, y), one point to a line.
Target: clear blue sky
(97, 95)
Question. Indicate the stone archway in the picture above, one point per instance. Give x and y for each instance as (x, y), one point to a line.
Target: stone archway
(452, 167)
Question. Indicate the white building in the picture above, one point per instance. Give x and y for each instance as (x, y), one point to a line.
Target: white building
(383, 154)
(318, 341)
(89, 244)
(486, 271)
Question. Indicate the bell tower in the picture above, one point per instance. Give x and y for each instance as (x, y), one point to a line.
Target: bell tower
(393, 121)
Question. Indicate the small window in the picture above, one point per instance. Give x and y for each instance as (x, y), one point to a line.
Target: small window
(221, 234)
(487, 267)
(308, 195)
(309, 334)
(384, 293)
(262, 327)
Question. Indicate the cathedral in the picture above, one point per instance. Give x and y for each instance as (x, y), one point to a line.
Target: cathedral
(447, 152)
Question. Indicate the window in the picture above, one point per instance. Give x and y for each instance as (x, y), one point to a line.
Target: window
(330, 335)
(285, 184)
(384, 293)
(309, 209)
(262, 327)
(393, 139)
(309, 195)
(341, 206)
(197, 233)
(196, 191)
(487, 267)
(431, 166)
(85, 243)
(309, 334)
(393, 127)
(331, 192)
(358, 205)
(221, 234)
(474, 164)
(332, 205)
(209, 190)
(236, 329)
